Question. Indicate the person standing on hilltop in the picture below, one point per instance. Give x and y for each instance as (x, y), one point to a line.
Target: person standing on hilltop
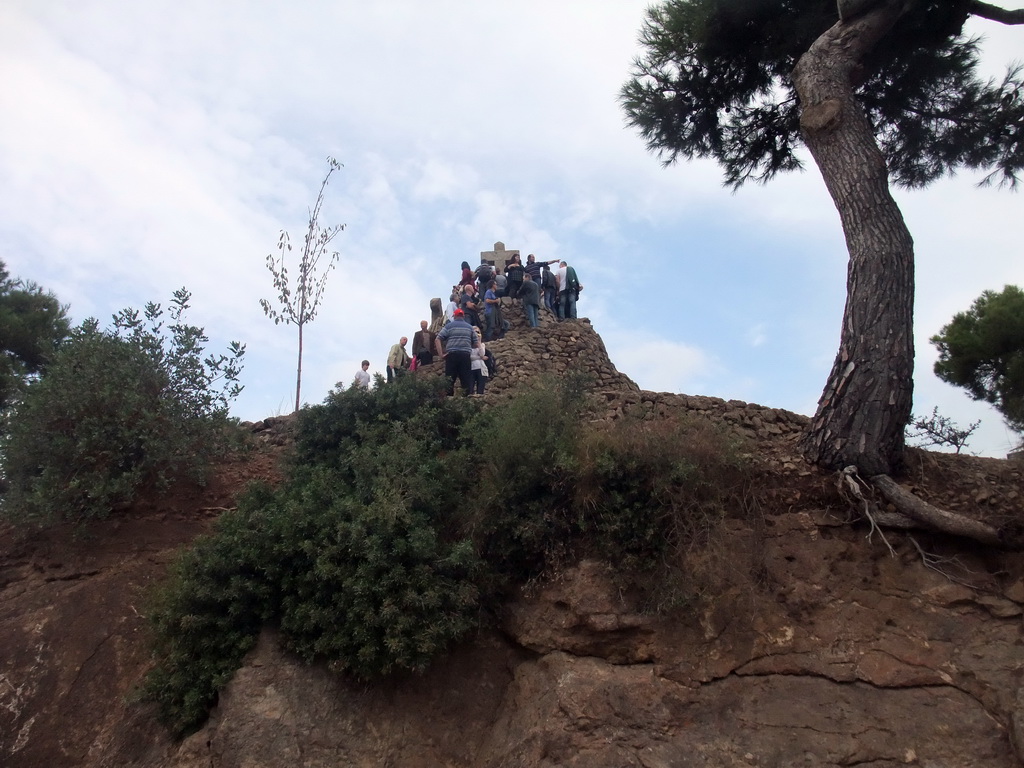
(500, 285)
(471, 305)
(484, 275)
(423, 345)
(458, 338)
(569, 288)
(468, 278)
(530, 294)
(453, 304)
(398, 359)
(514, 271)
(478, 368)
(533, 268)
(492, 313)
(549, 285)
(362, 379)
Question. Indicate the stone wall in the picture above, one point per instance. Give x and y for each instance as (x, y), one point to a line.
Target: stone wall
(526, 354)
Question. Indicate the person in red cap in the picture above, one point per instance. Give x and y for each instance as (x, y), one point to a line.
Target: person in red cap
(454, 343)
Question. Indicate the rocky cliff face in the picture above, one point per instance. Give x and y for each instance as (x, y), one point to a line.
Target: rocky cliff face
(820, 648)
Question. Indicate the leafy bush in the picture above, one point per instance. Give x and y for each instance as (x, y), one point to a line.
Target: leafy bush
(525, 452)
(383, 592)
(209, 613)
(116, 410)
(356, 558)
(651, 489)
(407, 514)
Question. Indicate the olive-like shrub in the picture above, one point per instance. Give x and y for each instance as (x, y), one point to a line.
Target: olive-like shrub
(116, 410)
(408, 515)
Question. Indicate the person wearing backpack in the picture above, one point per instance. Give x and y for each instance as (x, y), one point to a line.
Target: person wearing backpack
(569, 288)
(484, 275)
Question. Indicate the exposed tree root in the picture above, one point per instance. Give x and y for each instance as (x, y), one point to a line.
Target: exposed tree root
(938, 564)
(934, 518)
(852, 487)
(912, 512)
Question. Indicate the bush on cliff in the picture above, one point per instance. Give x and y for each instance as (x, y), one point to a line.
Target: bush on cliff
(115, 410)
(407, 515)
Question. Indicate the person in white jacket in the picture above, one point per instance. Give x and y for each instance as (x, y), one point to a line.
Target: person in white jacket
(479, 366)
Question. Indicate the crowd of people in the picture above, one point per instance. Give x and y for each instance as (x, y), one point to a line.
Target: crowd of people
(473, 317)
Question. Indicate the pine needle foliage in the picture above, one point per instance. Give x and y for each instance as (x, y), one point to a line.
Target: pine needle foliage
(714, 82)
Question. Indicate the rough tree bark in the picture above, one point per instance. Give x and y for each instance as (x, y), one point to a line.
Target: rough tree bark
(866, 403)
(867, 400)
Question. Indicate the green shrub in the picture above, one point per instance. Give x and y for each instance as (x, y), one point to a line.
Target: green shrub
(357, 557)
(646, 488)
(653, 497)
(209, 612)
(383, 592)
(525, 450)
(370, 589)
(116, 410)
(407, 514)
(33, 323)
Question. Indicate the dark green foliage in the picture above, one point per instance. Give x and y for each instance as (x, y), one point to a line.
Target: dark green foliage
(714, 81)
(32, 324)
(209, 614)
(648, 491)
(116, 410)
(407, 515)
(382, 593)
(78, 442)
(371, 588)
(521, 515)
(982, 350)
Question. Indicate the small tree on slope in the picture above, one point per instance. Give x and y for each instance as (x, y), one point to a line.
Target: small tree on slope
(300, 307)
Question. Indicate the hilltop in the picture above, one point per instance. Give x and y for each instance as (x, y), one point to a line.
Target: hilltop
(820, 646)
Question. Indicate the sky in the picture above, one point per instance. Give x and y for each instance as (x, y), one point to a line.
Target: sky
(148, 146)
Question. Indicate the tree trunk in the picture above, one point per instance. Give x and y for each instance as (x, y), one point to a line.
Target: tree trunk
(298, 372)
(866, 402)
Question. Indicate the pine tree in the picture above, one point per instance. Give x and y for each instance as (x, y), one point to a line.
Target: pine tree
(885, 94)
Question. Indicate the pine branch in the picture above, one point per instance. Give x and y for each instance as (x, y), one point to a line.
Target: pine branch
(995, 13)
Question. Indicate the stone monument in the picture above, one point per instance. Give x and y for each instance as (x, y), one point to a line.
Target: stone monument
(497, 258)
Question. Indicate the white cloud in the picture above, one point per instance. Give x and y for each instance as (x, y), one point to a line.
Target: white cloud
(756, 336)
(658, 364)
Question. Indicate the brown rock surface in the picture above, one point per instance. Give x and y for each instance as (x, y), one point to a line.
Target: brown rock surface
(837, 653)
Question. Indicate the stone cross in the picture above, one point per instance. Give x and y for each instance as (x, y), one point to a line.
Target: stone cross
(497, 258)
